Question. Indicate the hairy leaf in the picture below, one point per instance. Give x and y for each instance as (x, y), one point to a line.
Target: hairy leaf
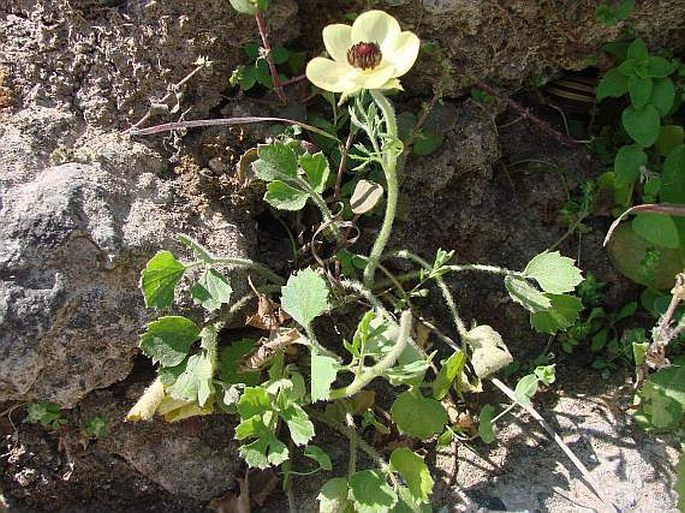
(525, 294)
(370, 492)
(305, 296)
(333, 497)
(642, 124)
(212, 290)
(324, 372)
(562, 315)
(485, 426)
(414, 471)
(276, 160)
(159, 279)
(417, 415)
(316, 169)
(556, 274)
(282, 196)
(490, 353)
(168, 339)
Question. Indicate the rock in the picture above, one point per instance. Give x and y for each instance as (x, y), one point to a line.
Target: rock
(72, 243)
(192, 458)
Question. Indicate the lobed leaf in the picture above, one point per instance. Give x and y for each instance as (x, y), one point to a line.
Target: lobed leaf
(282, 196)
(159, 279)
(276, 160)
(554, 273)
(305, 296)
(212, 290)
(168, 339)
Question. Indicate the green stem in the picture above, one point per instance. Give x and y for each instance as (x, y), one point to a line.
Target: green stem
(321, 204)
(241, 262)
(390, 171)
(388, 361)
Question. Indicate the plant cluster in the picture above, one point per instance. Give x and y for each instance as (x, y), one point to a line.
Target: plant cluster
(282, 383)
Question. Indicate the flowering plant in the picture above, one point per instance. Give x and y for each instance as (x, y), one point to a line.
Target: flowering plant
(370, 54)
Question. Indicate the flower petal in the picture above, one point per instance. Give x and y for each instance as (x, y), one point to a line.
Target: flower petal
(337, 39)
(402, 52)
(374, 27)
(376, 78)
(331, 75)
(393, 83)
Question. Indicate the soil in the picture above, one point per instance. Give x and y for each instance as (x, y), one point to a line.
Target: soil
(492, 192)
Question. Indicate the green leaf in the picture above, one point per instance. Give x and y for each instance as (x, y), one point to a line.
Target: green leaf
(300, 427)
(305, 296)
(642, 124)
(609, 16)
(427, 142)
(627, 165)
(637, 50)
(324, 372)
(365, 196)
(230, 359)
(316, 168)
(673, 184)
(659, 67)
(280, 54)
(333, 497)
(267, 450)
(614, 84)
(249, 6)
(526, 388)
(159, 279)
(489, 353)
(546, 374)
(282, 196)
(414, 471)
(319, 455)
(525, 294)
(670, 136)
(168, 339)
(554, 273)
(657, 229)
(407, 504)
(418, 416)
(562, 315)
(276, 160)
(195, 383)
(663, 399)
(370, 492)
(485, 427)
(212, 290)
(449, 371)
(663, 95)
(640, 90)
(254, 401)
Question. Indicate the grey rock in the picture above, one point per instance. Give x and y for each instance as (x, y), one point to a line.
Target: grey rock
(72, 243)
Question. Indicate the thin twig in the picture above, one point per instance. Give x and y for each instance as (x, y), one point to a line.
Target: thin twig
(278, 87)
(174, 88)
(550, 431)
(343, 163)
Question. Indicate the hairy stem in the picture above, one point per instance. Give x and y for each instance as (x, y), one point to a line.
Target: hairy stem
(278, 87)
(241, 262)
(389, 163)
(388, 361)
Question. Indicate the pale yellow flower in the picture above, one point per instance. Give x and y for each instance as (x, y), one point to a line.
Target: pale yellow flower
(370, 54)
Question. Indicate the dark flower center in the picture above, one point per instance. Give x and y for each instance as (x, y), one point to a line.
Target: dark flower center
(364, 55)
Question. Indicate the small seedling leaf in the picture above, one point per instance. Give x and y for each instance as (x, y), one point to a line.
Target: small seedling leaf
(526, 388)
(640, 90)
(300, 427)
(159, 279)
(556, 274)
(195, 383)
(449, 371)
(659, 67)
(305, 296)
(168, 339)
(663, 95)
(485, 427)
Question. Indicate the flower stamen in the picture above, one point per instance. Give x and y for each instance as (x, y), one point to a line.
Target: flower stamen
(364, 55)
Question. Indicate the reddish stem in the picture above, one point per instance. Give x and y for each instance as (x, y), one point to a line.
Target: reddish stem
(278, 87)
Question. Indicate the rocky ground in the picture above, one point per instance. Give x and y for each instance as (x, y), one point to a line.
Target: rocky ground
(83, 206)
